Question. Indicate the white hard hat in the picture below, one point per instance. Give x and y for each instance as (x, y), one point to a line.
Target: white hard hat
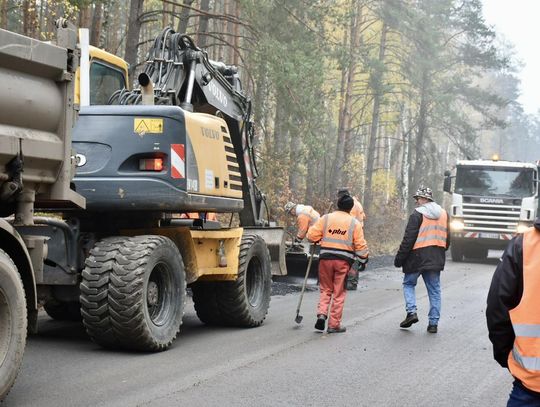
(289, 206)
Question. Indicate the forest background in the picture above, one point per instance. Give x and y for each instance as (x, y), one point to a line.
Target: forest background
(380, 96)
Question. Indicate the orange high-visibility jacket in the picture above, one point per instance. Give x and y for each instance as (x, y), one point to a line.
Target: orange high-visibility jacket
(524, 360)
(340, 234)
(358, 211)
(432, 232)
(306, 216)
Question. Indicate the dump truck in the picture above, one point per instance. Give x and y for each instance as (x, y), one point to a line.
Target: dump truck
(37, 114)
(492, 200)
(109, 247)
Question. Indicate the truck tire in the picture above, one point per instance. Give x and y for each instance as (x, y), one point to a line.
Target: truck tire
(63, 311)
(245, 301)
(476, 253)
(205, 301)
(133, 293)
(13, 323)
(456, 250)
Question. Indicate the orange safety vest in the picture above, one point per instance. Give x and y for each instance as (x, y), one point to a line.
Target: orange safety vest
(338, 235)
(524, 360)
(432, 232)
(306, 218)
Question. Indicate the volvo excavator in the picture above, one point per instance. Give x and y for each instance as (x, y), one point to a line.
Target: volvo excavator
(109, 247)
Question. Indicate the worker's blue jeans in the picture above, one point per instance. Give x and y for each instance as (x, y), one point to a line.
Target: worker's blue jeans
(432, 279)
(520, 397)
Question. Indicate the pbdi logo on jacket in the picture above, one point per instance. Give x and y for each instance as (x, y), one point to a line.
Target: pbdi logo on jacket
(336, 232)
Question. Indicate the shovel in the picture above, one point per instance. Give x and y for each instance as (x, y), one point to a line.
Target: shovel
(299, 317)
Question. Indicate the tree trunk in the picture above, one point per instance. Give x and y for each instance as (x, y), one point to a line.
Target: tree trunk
(202, 37)
(132, 36)
(405, 169)
(236, 31)
(29, 18)
(347, 81)
(3, 14)
(421, 135)
(376, 83)
(95, 33)
(165, 15)
(184, 16)
(84, 16)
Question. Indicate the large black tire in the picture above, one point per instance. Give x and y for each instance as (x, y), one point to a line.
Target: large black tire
(476, 253)
(63, 311)
(205, 301)
(245, 301)
(133, 293)
(13, 323)
(456, 250)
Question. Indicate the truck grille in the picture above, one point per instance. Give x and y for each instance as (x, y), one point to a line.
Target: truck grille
(490, 218)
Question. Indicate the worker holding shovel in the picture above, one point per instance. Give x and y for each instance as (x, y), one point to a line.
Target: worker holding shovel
(342, 242)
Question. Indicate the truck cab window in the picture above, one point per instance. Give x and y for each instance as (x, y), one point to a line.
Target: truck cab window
(104, 81)
(495, 182)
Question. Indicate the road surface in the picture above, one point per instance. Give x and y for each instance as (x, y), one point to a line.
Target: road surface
(284, 364)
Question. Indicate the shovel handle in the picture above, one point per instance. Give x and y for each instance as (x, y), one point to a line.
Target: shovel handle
(312, 252)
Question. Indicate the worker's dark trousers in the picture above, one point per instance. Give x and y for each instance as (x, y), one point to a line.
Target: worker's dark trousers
(332, 275)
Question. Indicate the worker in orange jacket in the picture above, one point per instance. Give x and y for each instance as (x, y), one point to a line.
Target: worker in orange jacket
(513, 316)
(306, 216)
(357, 212)
(342, 242)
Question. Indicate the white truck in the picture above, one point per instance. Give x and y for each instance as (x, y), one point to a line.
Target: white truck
(491, 201)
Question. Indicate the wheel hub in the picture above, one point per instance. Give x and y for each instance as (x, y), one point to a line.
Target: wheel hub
(152, 293)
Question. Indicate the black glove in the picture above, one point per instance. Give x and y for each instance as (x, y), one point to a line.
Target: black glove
(359, 264)
(398, 262)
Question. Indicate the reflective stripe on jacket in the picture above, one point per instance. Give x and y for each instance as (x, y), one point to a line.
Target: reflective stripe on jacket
(306, 217)
(432, 232)
(524, 359)
(341, 234)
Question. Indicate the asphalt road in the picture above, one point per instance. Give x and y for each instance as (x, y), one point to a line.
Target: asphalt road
(283, 364)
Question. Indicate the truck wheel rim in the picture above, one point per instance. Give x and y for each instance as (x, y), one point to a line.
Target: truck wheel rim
(254, 282)
(159, 294)
(5, 324)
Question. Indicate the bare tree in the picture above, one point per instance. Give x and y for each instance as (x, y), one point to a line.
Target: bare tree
(133, 32)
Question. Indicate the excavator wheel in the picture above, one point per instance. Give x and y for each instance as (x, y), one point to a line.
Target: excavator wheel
(133, 293)
(13, 323)
(245, 302)
(63, 311)
(205, 301)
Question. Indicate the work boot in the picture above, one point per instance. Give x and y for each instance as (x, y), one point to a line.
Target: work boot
(336, 330)
(321, 322)
(411, 318)
(432, 329)
(350, 286)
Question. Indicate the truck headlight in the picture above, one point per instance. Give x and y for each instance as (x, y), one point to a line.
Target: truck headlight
(456, 225)
(522, 227)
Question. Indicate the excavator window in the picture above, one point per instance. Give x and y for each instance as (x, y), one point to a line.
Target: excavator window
(104, 81)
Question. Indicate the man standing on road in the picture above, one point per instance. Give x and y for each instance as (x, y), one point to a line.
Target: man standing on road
(422, 252)
(513, 315)
(342, 241)
(356, 212)
(306, 216)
